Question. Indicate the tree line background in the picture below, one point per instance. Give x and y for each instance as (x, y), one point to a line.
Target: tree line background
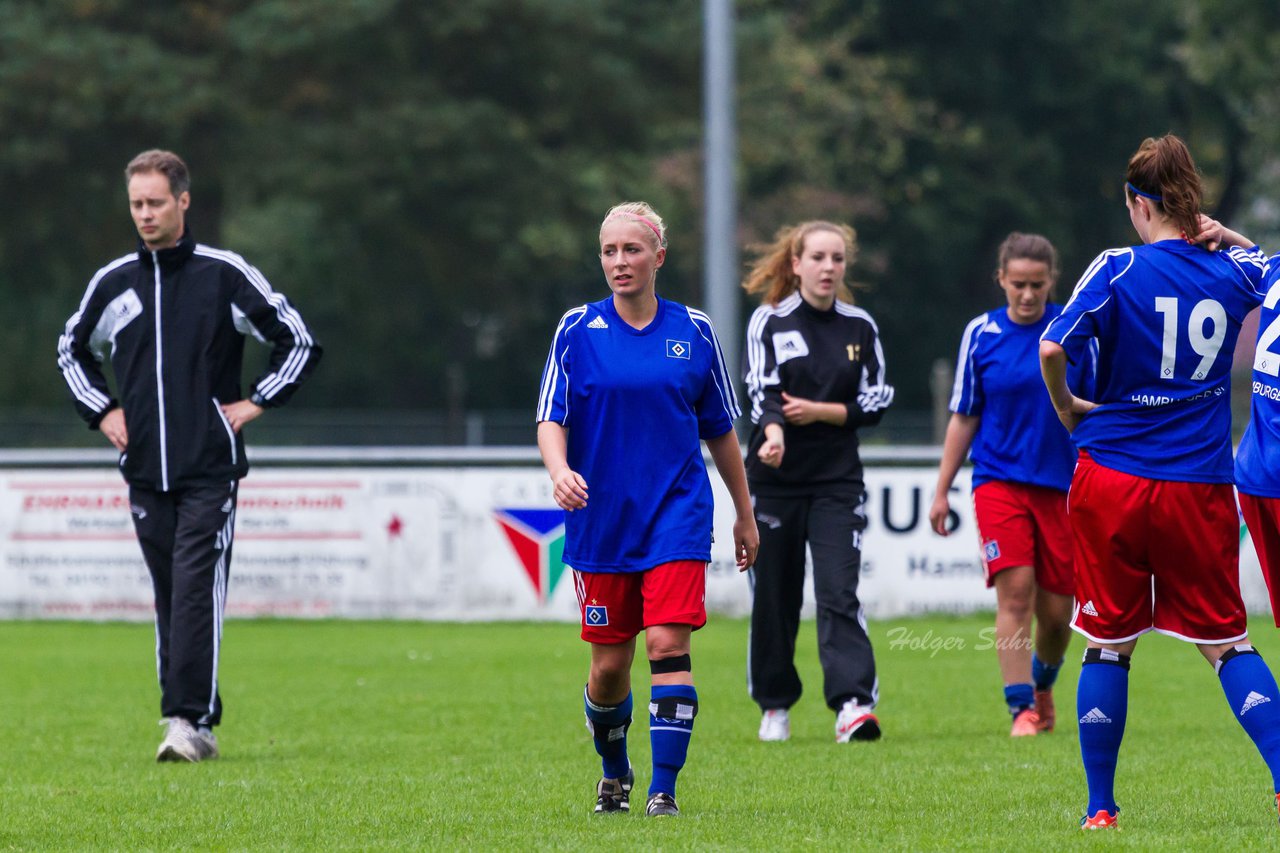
(425, 178)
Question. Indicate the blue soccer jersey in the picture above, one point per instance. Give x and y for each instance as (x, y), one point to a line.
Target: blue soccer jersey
(1166, 317)
(1258, 459)
(636, 403)
(1019, 438)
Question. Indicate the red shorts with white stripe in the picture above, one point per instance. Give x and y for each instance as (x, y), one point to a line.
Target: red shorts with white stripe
(1021, 525)
(615, 606)
(1262, 515)
(1154, 554)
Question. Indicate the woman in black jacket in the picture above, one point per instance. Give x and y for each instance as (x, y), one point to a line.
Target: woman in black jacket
(815, 374)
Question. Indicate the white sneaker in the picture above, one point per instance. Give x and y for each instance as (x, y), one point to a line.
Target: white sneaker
(184, 742)
(775, 725)
(856, 722)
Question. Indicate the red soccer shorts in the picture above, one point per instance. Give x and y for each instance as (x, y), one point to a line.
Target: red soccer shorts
(1262, 515)
(615, 606)
(1154, 554)
(1021, 525)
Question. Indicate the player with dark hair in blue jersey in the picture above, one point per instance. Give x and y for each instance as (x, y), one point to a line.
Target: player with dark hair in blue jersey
(1152, 511)
(1022, 464)
(632, 386)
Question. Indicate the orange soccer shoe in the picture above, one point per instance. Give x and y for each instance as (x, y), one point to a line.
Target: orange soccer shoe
(1101, 819)
(1044, 707)
(1025, 723)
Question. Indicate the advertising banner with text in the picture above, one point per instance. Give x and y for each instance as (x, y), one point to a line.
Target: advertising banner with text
(441, 543)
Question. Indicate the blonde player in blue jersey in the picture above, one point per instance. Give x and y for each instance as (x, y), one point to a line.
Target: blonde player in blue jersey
(1022, 464)
(1152, 510)
(632, 387)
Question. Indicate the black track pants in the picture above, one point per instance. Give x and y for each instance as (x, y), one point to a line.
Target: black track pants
(832, 525)
(186, 536)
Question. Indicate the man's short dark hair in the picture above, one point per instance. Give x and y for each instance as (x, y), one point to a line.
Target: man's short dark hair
(166, 163)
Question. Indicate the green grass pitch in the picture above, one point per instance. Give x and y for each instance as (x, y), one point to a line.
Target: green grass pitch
(394, 735)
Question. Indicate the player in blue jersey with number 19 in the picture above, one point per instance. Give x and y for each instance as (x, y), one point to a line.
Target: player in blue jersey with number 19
(1152, 510)
(633, 384)
(1022, 465)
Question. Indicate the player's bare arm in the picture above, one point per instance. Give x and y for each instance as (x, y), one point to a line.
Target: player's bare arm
(570, 489)
(1053, 367)
(727, 457)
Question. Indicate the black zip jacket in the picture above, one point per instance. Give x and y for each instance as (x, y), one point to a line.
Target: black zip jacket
(829, 356)
(173, 323)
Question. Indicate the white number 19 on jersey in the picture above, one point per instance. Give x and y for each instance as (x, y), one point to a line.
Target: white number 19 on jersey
(1205, 346)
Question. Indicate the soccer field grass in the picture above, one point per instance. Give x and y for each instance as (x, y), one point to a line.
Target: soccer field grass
(397, 735)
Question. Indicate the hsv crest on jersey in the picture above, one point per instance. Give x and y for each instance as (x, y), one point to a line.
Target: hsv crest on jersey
(677, 349)
(537, 537)
(992, 550)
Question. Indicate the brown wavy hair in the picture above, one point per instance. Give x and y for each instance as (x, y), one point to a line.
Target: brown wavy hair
(1030, 247)
(1163, 167)
(771, 272)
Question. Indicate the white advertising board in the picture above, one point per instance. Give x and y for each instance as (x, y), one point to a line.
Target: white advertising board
(443, 543)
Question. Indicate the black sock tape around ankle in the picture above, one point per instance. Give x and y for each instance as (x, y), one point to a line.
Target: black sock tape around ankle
(1106, 656)
(674, 708)
(662, 666)
(1235, 652)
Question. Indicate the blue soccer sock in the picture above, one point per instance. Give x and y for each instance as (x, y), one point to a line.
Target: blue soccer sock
(671, 716)
(609, 724)
(1018, 697)
(1102, 703)
(1043, 674)
(1255, 700)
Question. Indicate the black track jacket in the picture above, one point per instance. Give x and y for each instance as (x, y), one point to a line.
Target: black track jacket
(827, 356)
(173, 323)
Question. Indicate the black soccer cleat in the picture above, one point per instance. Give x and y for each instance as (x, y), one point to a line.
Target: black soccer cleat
(614, 795)
(661, 805)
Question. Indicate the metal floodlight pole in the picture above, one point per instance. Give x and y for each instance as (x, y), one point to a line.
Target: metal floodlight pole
(720, 285)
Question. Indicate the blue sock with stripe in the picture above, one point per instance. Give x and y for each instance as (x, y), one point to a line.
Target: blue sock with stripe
(1255, 700)
(1043, 674)
(609, 724)
(1102, 704)
(671, 716)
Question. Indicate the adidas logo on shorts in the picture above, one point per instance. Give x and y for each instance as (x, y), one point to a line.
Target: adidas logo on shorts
(1095, 716)
(1253, 700)
(1089, 609)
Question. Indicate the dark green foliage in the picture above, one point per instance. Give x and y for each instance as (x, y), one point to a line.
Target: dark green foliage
(425, 179)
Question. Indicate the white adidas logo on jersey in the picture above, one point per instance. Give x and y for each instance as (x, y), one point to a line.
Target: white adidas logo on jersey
(1089, 609)
(1253, 700)
(1095, 716)
(598, 323)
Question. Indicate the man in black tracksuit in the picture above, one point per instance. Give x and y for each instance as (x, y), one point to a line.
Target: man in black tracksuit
(172, 317)
(815, 374)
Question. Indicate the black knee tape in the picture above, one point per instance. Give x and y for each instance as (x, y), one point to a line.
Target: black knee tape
(662, 666)
(1110, 656)
(674, 708)
(1234, 652)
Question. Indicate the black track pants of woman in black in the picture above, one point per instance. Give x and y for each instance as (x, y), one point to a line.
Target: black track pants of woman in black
(832, 525)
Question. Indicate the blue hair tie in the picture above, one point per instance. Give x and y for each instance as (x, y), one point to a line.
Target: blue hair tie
(1137, 191)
